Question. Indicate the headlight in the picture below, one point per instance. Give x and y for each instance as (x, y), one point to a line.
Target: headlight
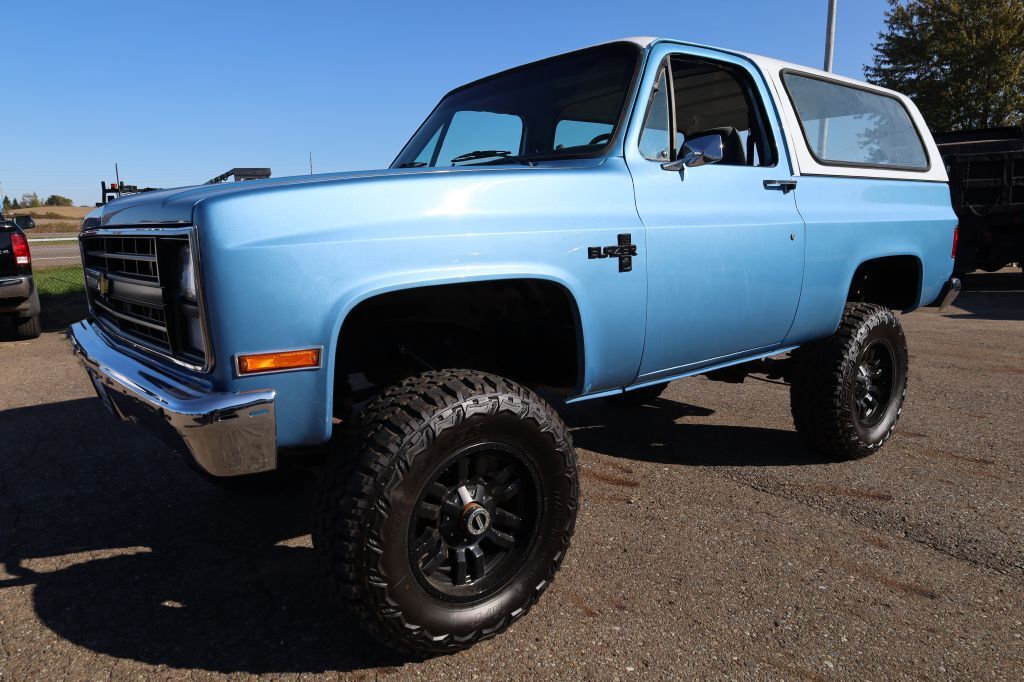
(187, 291)
(187, 279)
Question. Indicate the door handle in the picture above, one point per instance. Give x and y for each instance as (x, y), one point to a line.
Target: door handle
(786, 186)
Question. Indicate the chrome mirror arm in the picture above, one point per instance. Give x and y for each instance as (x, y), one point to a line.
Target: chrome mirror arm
(692, 157)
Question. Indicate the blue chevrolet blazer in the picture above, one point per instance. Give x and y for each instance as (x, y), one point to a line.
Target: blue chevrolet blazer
(593, 225)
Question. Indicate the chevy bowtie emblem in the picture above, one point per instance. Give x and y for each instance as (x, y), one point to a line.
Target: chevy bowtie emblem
(103, 284)
(624, 251)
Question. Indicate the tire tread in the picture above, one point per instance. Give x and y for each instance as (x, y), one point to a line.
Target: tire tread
(393, 428)
(27, 329)
(817, 394)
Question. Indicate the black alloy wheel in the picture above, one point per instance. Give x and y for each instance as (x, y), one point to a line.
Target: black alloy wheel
(872, 391)
(475, 522)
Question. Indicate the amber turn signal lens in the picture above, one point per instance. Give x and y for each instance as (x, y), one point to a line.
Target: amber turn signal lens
(276, 362)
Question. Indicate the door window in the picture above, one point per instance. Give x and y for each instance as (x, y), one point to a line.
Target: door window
(716, 98)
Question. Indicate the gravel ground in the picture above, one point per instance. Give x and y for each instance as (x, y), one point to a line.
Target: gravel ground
(709, 544)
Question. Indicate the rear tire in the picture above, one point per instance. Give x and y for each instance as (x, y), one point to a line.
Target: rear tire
(399, 527)
(27, 328)
(847, 391)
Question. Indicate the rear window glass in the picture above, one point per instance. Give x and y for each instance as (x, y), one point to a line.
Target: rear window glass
(845, 125)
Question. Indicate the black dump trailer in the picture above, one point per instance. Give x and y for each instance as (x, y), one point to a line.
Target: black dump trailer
(986, 183)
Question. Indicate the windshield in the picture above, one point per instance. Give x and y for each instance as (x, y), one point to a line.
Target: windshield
(564, 107)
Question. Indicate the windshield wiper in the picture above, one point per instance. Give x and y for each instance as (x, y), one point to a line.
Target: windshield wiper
(495, 153)
(412, 164)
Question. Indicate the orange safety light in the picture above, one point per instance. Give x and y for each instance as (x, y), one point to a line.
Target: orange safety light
(280, 361)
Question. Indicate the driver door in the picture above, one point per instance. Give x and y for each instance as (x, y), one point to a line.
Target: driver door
(725, 248)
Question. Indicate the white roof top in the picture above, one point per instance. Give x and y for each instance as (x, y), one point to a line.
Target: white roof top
(805, 162)
(767, 63)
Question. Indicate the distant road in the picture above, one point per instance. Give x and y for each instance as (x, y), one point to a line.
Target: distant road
(62, 250)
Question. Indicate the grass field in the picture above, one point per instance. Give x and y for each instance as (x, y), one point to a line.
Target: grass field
(54, 212)
(55, 219)
(64, 279)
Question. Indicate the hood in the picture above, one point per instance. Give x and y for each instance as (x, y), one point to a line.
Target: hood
(176, 206)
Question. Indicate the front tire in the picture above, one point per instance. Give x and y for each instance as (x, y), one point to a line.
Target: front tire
(847, 391)
(454, 515)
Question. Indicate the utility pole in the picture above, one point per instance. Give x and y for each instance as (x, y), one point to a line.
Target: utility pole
(311, 163)
(117, 175)
(830, 34)
(830, 42)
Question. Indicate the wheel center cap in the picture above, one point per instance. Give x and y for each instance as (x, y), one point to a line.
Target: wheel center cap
(475, 520)
(864, 382)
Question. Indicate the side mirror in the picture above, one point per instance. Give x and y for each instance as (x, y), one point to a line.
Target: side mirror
(24, 222)
(698, 151)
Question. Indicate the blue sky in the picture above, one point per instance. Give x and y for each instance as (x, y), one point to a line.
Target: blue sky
(177, 93)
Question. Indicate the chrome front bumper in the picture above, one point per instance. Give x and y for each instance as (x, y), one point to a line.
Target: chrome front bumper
(226, 434)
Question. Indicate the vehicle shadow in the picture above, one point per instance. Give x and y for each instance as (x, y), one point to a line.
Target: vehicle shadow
(991, 296)
(132, 555)
(58, 312)
(652, 433)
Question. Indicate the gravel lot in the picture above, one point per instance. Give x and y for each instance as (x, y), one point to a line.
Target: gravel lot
(709, 543)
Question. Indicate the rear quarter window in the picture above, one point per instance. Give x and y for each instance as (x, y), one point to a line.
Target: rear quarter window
(844, 125)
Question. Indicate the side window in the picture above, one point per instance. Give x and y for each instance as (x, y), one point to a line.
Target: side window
(712, 98)
(471, 131)
(846, 125)
(654, 138)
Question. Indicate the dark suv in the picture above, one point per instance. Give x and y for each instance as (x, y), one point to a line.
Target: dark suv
(19, 300)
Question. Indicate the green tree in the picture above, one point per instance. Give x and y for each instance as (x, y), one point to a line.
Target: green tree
(15, 204)
(7, 204)
(961, 61)
(30, 200)
(58, 200)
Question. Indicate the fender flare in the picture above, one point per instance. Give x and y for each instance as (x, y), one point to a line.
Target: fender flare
(367, 290)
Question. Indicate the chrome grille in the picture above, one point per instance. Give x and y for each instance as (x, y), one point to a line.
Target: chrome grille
(133, 257)
(130, 281)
